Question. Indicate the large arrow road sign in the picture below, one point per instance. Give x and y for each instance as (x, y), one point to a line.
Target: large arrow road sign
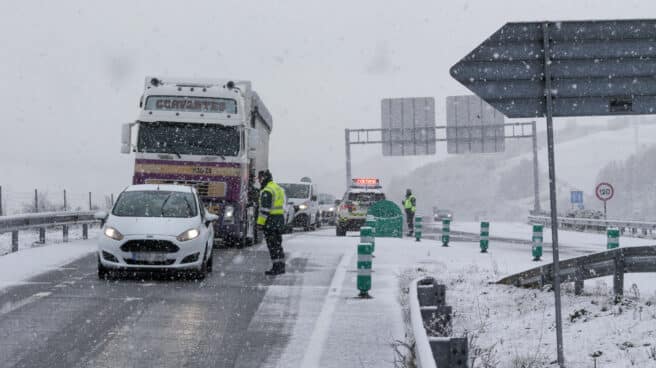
(564, 69)
(597, 68)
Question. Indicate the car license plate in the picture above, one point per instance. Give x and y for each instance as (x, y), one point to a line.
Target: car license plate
(149, 257)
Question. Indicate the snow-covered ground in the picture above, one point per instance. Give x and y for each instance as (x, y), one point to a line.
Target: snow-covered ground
(330, 327)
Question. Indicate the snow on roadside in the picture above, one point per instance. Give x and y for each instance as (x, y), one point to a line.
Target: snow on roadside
(16, 268)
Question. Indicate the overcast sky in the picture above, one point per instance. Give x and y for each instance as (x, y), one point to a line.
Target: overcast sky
(72, 71)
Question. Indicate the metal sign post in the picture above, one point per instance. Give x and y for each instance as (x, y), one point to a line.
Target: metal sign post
(552, 192)
(572, 68)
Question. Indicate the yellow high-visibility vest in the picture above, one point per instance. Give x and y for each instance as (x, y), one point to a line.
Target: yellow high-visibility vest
(408, 203)
(278, 202)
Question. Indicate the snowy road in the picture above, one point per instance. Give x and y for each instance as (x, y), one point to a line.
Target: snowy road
(68, 318)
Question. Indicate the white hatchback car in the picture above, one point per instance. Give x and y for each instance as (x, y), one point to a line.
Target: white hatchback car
(156, 227)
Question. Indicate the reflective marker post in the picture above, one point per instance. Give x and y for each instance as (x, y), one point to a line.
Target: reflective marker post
(446, 230)
(418, 226)
(371, 222)
(613, 238)
(537, 241)
(364, 269)
(367, 235)
(485, 236)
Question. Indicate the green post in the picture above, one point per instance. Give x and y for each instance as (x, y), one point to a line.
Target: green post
(364, 268)
(368, 235)
(485, 236)
(537, 241)
(446, 231)
(418, 226)
(613, 236)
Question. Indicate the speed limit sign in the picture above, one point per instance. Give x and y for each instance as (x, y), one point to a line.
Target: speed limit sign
(604, 191)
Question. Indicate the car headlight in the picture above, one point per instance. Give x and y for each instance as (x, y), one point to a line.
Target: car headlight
(112, 233)
(188, 235)
(331, 209)
(303, 207)
(228, 212)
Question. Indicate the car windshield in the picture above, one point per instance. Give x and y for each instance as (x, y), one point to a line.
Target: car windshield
(296, 190)
(365, 197)
(155, 204)
(189, 139)
(326, 198)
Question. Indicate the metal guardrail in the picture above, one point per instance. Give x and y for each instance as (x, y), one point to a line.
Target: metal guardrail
(615, 262)
(632, 227)
(430, 318)
(45, 220)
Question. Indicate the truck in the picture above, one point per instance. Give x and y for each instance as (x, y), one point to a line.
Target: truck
(212, 134)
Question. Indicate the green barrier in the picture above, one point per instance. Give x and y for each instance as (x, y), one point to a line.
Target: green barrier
(418, 226)
(367, 236)
(485, 236)
(613, 238)
(364, 268)
(388, 219)
(446, 232)
(370, 222)
(537, 241)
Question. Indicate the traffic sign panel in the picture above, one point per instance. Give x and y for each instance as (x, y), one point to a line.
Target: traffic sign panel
(408, 126)
(596, 68)
(604, 191)
(576, 196)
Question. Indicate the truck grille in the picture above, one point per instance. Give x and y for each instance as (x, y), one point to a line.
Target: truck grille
(150, 245)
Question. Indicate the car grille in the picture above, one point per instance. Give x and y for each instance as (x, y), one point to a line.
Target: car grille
(150, 245)
(168, 262)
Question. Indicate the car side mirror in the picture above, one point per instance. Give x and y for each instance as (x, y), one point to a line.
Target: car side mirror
(313, 198)
(100, 215)
(211, 217)
(338, 202)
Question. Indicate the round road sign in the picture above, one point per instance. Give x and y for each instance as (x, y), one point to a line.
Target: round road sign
(604, 191)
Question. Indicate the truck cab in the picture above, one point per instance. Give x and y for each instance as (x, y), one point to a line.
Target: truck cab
(303, 196)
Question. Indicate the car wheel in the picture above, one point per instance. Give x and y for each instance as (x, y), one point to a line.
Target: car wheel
(202, 272)
(103, 272)
(318, 222)
(210, 264)
(340, 231)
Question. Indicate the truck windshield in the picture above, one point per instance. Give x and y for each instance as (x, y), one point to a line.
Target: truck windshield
(296, 190)
(155, 204)
(189, 139)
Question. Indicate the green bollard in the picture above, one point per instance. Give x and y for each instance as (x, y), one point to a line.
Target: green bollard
(367, 235)
(364, 268)
(537, 242)
(446, 231)
(418, 226)
(485, 236)
(371, 222)
(613, 238)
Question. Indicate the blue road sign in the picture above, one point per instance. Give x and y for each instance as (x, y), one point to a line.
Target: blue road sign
(576, 197)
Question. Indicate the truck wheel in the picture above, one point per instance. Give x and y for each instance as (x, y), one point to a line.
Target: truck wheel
(318, 222)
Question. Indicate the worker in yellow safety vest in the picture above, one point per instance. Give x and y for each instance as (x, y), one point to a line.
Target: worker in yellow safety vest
(271, 220)
(410, 206)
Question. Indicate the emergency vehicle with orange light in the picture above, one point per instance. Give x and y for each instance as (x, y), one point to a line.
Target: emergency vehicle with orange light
(209, 134)
(352, 210)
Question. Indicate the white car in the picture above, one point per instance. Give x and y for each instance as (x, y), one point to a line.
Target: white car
(156, 227)
(306, 208)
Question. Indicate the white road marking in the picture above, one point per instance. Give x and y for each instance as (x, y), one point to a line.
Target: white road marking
(10, 307)
(312, 356)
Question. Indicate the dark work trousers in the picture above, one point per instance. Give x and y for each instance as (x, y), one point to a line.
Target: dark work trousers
(273, 230)
(410, 218)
